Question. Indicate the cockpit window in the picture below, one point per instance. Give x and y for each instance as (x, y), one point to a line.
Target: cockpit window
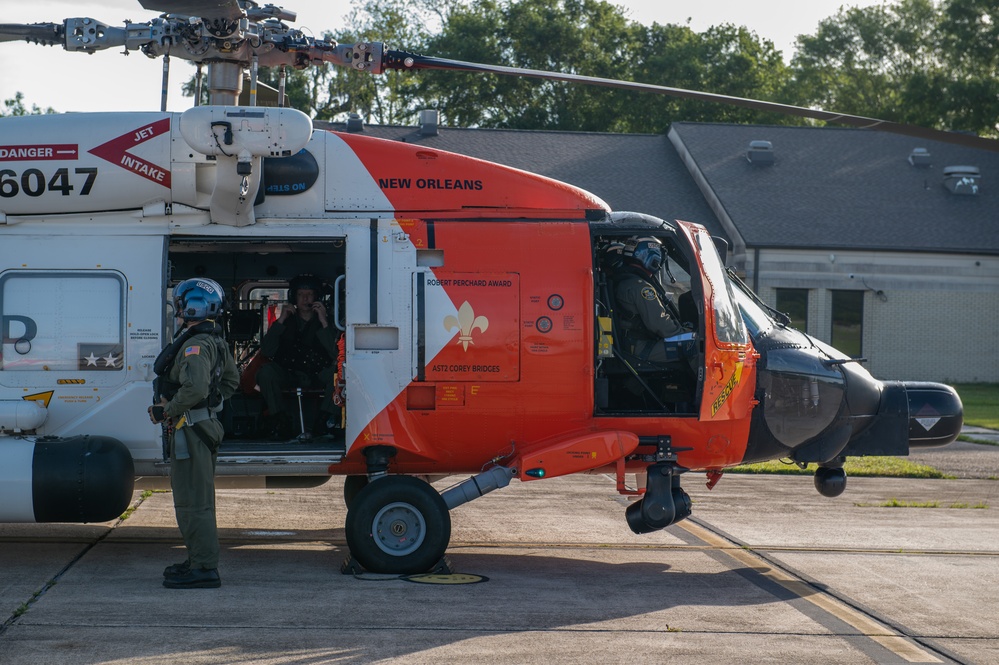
(729, 328)
(755, 317)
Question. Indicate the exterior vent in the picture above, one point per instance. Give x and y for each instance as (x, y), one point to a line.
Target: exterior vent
(920, 158)
(962, 180)
(428, 122)
(760, 153)
(354, 123)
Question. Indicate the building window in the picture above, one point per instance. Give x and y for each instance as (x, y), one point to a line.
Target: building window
(848, 322)
(794, 303)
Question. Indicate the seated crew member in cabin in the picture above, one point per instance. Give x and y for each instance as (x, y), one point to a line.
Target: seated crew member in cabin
(302, 347)
(647, 315)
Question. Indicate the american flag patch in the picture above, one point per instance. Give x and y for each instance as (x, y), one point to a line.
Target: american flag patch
(192, 351)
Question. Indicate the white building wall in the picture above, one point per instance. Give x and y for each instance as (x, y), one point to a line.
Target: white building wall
(926, 316)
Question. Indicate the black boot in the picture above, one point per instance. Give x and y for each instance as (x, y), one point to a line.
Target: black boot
(194, 578)
(177, 569)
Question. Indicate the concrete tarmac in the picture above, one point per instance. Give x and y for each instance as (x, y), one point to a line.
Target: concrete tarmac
(766, 571)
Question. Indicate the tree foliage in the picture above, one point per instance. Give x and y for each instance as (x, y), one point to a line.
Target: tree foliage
(593, 38)
(16, 106)
(914, 61)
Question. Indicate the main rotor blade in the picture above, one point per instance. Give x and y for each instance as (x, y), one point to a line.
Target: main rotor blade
(49, 34)
(403, 60)
(228, 9)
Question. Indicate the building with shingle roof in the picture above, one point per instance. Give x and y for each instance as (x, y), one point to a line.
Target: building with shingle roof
(884, 245)
(835, 188)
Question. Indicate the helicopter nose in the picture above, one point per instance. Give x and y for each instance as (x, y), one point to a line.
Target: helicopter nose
(818, 405)
(912, 414)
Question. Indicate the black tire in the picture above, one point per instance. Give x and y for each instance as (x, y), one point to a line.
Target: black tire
(398, 524)
(351, 486)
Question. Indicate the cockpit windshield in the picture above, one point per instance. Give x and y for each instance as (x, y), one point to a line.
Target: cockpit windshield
(757, 319)
(729, 328)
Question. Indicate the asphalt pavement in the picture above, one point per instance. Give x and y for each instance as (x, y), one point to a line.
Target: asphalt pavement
(963, 459)
(766, 571)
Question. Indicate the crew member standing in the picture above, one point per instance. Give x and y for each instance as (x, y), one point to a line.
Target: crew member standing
(196, 373)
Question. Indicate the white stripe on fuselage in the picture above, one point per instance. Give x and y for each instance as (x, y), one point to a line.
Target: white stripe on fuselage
(16, 504)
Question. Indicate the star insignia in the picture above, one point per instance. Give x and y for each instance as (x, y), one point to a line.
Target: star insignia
(91, 359)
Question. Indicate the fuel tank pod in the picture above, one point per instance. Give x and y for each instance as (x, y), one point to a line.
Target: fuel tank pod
(52, 479)
(21, 415)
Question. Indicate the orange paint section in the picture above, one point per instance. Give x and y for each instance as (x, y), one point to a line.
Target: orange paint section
(415, 178)
(726, 397)
(525, 379)
(576, 453)
(526, 375)
(486, 346)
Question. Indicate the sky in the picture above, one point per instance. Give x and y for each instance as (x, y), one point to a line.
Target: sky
(110, 81)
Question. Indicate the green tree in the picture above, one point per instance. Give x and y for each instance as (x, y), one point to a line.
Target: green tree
(15, 106)
(724, 59)
(594, 38)
(970, 80)
(588, 37)
(914, 61)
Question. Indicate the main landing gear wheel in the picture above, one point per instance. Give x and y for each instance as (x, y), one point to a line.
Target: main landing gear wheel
(398, 524)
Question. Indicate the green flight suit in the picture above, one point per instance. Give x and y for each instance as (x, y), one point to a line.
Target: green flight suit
(645, 319)
(304, 355)
(195, 447)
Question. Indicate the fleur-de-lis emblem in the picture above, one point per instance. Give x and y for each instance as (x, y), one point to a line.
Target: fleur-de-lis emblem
(466, 322)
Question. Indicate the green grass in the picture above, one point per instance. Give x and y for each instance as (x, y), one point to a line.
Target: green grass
(895, 503)
(882, 467)
(972, 439)
(981, 403)
(131, 509)
(899, 503)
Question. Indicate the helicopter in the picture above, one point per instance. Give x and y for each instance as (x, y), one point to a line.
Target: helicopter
(467, 346)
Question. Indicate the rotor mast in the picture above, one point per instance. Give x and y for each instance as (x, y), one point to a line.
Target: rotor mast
(225, 36)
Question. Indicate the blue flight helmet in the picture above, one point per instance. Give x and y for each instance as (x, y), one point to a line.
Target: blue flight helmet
(646, 252)
(198, 299)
